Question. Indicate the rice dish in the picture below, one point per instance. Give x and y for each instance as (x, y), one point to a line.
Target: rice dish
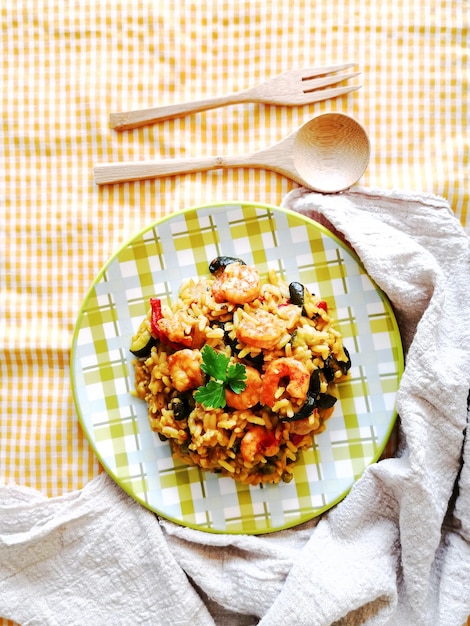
(239, 373)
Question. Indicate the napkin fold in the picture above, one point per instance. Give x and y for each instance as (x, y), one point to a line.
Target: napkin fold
(93, 556)
(395, 551)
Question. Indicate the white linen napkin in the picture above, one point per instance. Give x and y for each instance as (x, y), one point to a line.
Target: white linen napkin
(93, 556)
(395, 551)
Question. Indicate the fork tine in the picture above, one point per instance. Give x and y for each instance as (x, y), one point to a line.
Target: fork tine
(312, 84)
(325, 94)
(310, 97)
(313, 72)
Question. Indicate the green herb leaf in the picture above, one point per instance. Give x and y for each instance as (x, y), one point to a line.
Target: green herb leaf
(212, 396)
(214, 363)
(223, 375)
(236, 376)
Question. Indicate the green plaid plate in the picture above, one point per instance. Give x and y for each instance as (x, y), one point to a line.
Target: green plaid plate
(154, 263)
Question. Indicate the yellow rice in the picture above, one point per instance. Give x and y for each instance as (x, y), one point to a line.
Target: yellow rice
(212, 438)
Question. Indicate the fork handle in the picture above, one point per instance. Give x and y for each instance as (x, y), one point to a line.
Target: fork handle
(109, 173)
(126, 120)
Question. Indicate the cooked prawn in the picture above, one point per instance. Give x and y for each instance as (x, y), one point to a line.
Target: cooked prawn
(284, 368)
(258, 440)
(181, 328)
(291, 313)
(185, 369)
(260, 329)
(250, 395)
(238, 284)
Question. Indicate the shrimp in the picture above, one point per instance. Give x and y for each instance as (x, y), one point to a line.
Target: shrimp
(238, 284)
(185, 369)
(260, 329)
(285, 368)
(258, 440)
(181, 328)
(250, 395)
(291, 313)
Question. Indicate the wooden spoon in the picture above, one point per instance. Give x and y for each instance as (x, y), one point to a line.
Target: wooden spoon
(329, 153)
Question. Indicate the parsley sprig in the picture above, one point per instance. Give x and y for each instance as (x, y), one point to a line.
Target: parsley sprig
(223, 375)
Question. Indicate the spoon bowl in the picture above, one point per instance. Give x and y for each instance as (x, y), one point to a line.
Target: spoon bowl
(329, 153)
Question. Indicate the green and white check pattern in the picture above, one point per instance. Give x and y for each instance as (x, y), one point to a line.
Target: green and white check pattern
(155, 263)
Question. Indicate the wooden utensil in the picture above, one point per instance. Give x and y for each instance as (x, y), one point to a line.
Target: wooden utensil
(296, 87)
(329, 153)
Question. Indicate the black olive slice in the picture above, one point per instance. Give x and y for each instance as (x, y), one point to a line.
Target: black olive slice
(221, 262)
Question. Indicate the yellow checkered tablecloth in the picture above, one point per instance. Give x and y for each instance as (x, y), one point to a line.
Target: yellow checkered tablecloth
(66, 65)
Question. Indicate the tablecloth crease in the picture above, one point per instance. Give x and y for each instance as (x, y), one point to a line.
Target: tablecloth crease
(394, 552)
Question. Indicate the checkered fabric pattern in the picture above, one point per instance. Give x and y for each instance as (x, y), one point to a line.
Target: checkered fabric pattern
(66, 65)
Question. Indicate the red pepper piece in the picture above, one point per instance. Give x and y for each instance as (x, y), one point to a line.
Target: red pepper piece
(322, 305)
(156, 314)
(267, 441)
(155, 330)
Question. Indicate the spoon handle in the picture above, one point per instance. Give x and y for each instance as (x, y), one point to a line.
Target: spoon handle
(109, 173)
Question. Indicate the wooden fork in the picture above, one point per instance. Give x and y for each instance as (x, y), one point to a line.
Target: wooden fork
(293, 88)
